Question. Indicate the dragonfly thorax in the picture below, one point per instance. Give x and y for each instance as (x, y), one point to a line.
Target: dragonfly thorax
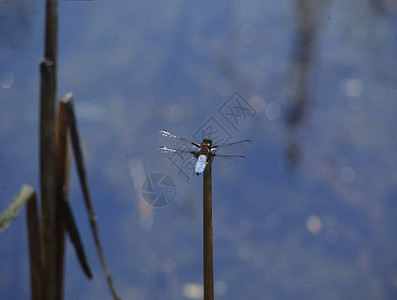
(205, 147)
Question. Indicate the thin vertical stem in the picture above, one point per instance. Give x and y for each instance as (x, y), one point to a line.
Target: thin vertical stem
(51, 31)
(207, 234)
(34, 248)
(47, 154)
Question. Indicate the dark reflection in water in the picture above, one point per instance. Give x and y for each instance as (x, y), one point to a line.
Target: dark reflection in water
(307, 27)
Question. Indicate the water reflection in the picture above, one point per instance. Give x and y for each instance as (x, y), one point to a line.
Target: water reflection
(308, 23)
(273, 231)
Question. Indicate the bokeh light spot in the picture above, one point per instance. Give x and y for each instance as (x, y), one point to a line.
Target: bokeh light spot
(353, 87)
(193, 291)
(273, 111)
(347, 175)
(258, 103)
(314, 224)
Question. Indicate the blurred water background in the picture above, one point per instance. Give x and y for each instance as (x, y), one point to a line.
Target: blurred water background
(310, 215)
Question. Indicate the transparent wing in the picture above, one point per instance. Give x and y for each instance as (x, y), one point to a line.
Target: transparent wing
(169, 150)
(228, 160)
(181, 155)
(233, 147)
(179, 143)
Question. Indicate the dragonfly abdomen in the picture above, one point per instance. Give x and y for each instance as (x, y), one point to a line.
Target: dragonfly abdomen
(200, 165)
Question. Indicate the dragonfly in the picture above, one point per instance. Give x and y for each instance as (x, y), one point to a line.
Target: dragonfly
(205, 152)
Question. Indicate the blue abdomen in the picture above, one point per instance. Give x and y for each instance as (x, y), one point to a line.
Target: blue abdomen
(200, 165)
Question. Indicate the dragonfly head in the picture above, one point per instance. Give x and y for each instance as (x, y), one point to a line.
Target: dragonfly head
(207, 142)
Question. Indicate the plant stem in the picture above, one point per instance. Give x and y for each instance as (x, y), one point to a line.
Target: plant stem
(34, 247)
(50, 248)
(62, 187)
(207, 234)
